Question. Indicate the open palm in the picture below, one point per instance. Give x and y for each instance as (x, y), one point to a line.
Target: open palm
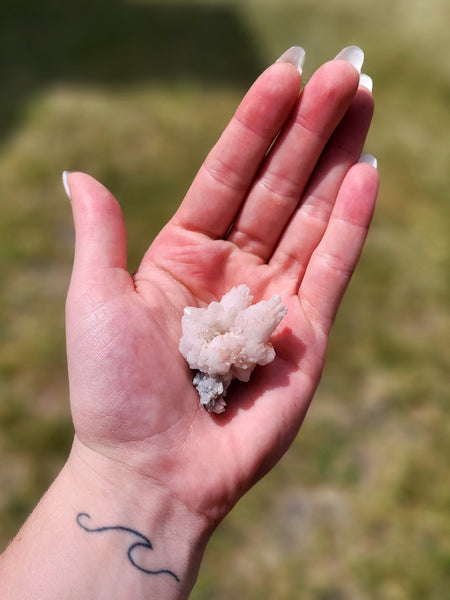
(290, 220)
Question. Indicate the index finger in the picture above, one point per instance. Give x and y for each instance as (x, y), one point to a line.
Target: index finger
(216, 194)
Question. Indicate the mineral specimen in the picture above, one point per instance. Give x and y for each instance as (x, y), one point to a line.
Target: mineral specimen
(226, 340)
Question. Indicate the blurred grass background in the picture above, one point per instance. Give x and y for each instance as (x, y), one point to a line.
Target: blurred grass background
(135, 92)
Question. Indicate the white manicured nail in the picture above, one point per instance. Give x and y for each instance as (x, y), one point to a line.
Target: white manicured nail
(352, 54)
(295, 56)
(368, 159)
(65, 175)
(366, 81)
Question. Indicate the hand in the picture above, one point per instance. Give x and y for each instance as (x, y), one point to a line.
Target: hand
(291, 221)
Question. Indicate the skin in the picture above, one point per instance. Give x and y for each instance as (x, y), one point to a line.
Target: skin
(292, 222)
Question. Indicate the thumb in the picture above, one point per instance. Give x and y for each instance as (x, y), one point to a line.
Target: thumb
(100, 234)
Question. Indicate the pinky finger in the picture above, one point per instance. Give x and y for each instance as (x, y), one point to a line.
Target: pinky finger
(336, 256)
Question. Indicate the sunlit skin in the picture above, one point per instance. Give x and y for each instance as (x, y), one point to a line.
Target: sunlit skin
(291, 222)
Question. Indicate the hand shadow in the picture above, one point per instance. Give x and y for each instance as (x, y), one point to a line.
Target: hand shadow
(243, 395)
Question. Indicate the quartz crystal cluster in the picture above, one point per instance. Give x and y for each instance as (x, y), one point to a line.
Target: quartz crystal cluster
(226, 340)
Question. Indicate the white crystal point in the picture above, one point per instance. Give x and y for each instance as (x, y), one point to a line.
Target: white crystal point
(226, 340)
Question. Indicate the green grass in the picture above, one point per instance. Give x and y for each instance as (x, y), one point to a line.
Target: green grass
(360, 506)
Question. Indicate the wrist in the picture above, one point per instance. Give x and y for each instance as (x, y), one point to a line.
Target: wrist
(159, 540)
(101, 532)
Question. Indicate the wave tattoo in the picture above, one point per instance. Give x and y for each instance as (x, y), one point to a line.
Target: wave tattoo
(143, 542)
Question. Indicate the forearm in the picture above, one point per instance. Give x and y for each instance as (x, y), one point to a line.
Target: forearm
(91, 537)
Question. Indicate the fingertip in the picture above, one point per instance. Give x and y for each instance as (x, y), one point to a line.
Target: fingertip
(99, 225)
(358, 193)
(353, 55)
(369, 179)
(79, 185)
(294, 56)
(335, 83)
(281, 80)
(67, 180)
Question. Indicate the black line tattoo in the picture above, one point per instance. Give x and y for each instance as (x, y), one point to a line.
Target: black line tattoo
(145, 543)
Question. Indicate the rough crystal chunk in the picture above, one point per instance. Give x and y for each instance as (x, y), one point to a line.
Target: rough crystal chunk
(226, 340)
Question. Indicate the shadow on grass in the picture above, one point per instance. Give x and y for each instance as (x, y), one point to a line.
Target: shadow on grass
(116, 43)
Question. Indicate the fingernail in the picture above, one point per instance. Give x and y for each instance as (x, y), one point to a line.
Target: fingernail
(295, 56)
(353, 55)
(368, 159)
(366, 81)
(65, 175)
